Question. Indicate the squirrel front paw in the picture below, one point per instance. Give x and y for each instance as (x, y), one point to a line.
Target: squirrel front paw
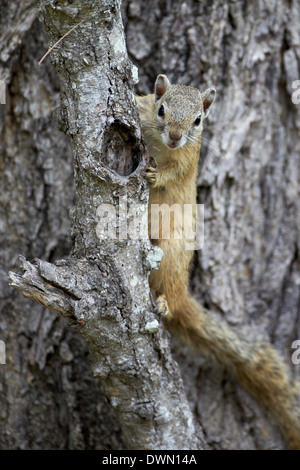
(151, 175)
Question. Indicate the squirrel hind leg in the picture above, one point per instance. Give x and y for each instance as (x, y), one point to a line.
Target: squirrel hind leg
(162, 306)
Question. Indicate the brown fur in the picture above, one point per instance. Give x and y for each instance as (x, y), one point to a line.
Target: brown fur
(258, 366)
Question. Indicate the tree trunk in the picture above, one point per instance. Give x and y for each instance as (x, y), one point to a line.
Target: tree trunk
(248, 269)
(102, 288)
(49, 399)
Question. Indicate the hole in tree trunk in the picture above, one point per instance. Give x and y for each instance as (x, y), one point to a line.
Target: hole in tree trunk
(123, 151)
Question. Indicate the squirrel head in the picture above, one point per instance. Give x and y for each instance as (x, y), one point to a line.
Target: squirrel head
(180, 111)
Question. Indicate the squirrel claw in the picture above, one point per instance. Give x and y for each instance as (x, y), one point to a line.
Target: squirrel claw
(162, 306)
(151, 174)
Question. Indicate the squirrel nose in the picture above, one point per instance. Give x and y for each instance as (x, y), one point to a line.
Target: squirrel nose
(174, 136)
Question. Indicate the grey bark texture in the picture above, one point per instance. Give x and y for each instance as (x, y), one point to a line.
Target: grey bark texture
(102, 288)
(248, 270)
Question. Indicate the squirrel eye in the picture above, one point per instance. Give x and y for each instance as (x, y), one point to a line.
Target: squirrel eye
(197, 120)
(161, 111)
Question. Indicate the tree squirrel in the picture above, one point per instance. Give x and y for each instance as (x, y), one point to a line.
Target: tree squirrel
(172, 122)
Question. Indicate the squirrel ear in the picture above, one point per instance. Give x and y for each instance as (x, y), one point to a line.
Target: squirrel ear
(161, 84)
(208, 97)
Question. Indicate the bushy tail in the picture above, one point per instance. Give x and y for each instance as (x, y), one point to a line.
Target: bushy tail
(258, 367)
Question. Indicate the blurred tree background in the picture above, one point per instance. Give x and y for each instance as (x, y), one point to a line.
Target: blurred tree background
(247, 272)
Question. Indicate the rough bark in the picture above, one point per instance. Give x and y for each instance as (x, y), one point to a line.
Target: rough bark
(248, 270)
(48, 396)
(102, 288)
